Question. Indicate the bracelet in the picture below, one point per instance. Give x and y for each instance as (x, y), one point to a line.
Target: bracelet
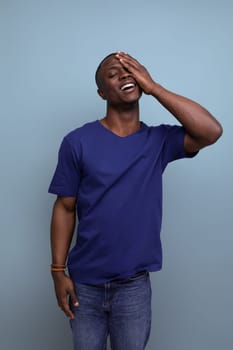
(54, 269)
(58, 266)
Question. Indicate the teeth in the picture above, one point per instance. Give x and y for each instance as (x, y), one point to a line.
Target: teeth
(127, 86)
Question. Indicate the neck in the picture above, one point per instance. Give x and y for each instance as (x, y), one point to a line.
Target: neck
(122, 121)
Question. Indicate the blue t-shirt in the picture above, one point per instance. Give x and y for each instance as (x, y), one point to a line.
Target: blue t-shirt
(118, 185)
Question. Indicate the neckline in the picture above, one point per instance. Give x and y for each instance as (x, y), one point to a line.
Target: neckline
(143, 125)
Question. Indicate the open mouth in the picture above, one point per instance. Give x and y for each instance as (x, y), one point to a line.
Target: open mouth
(128, 86)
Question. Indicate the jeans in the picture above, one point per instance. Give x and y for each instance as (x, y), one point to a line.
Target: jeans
(120, 309)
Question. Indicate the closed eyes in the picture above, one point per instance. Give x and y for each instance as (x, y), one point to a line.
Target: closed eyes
(112, 74)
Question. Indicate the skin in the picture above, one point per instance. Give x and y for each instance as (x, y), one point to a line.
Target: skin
(62, 229)
(122, 118)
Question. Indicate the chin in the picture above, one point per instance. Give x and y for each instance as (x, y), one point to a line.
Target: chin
(134, 98)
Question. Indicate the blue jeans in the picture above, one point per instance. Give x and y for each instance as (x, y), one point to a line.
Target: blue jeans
(121, 309)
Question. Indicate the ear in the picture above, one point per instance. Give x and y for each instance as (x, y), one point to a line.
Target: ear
(101, 94)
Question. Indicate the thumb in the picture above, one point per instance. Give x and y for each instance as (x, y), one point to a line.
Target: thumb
(73, 297)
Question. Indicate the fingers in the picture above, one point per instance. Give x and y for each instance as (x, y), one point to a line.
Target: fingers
(138, 71)
(126, 57)
(73, 298)
(63, 304)
(62, 299)
(128, 61)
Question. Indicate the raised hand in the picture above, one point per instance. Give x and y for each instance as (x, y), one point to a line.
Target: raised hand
(138, 71)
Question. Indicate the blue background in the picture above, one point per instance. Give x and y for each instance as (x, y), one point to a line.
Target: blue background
(49, 53)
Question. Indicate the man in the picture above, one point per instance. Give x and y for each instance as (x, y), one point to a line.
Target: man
(110, 171)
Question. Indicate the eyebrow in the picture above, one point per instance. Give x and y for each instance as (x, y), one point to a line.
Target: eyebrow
(112, 67)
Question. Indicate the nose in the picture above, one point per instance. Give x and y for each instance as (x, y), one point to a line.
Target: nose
(124, 73)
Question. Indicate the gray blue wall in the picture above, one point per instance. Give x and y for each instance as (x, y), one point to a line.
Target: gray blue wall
(49, 52)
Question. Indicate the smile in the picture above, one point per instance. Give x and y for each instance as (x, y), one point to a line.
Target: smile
(127, 86)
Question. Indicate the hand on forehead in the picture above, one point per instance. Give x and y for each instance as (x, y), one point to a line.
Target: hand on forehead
(127, 61)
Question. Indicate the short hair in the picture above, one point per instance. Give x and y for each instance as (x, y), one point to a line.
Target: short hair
(97, 80)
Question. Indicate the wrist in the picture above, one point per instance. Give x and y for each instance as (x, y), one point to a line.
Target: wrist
(147, 87)
(156, 90)
(57, 269)
(57, 275)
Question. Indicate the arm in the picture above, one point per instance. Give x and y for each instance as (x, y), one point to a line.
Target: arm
(202, 129)
(62, 228)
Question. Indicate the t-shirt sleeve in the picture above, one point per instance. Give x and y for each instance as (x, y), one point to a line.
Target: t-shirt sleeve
(173, 147)
(66, 179)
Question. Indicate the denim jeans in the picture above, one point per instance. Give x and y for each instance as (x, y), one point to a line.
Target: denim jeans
(120, 309)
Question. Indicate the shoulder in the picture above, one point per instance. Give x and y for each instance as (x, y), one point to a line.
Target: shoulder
(165, 130)
(81, 133)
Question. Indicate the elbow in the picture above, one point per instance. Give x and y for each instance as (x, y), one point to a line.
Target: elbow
(213, 135)
(217, 133)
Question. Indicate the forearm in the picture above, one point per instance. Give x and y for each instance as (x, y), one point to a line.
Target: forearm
(197, 121)
(62, 228)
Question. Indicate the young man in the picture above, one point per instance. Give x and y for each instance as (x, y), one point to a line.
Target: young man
(110, 171)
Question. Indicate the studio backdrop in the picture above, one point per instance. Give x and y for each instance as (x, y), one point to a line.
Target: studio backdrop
(49, 53)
